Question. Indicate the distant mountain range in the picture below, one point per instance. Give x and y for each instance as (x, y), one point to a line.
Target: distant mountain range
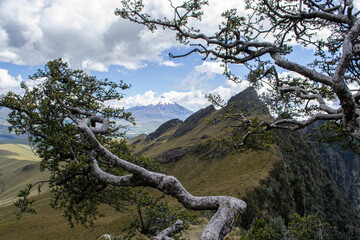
(161, 111)
(147, 118)
(151, 116)
(5, 136)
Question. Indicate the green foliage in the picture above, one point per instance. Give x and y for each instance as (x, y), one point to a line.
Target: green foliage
(261, 231)
(244, 130)
(152, 215)
(45, 113)
(333, 132)
(300, 228)
(24, 203)
(42, 113)
(300, 184)
(309, 227)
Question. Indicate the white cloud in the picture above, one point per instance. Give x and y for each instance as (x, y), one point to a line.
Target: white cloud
(193, 100)
(89, 64)
(170, 64)
(8, 82)
(230, 89)
(88, 33)
(201, 73)
(137, 100)
(212, 14)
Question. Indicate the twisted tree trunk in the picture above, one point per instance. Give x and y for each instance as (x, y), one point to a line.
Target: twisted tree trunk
(226, 207)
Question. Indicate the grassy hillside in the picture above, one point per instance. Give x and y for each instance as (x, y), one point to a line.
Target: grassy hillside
(49, 223)
(288, 178)
(18, 167)
(232, 175)
(207, 167)
(17, 152)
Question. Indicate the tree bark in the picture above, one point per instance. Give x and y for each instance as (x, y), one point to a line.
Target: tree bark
(175, 228)
(227, 208)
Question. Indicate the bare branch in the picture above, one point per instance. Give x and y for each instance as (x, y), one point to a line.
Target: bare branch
(227, 207)
(293, 124)
(175, 228)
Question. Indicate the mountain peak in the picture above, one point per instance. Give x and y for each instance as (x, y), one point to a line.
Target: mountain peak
(248, 101)
(163, 101)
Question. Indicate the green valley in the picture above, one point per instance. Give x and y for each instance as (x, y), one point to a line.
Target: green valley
(289, 177)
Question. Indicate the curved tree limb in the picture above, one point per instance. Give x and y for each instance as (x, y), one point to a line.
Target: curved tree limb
(175, 228)
(302, 19)
(227, 207)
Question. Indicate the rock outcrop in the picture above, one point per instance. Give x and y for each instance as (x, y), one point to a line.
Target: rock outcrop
(162, 129)
(191, 121)
(247, 101)
(170, 156)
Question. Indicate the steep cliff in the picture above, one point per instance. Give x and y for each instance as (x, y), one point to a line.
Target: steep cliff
(301, 183)
(294, 176)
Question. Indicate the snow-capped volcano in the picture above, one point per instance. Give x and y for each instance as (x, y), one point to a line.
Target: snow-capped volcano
(160, 110)
(162, 101)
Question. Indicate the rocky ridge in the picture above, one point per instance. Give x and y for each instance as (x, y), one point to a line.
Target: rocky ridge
(309, 178)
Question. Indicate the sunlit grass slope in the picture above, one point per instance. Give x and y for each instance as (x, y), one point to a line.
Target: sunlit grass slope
(49, 223)
(18, 167)
(206, 169)
(18, 152)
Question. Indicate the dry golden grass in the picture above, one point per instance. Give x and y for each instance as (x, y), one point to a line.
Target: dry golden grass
(18, 152)
(48, 223)
(232, 174)
(18, 167)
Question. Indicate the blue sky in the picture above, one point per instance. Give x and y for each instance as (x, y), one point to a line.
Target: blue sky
(89, 36)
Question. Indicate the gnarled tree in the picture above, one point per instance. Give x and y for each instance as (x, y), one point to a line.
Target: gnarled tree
(74, 133)
(326, 89)
(81, 122)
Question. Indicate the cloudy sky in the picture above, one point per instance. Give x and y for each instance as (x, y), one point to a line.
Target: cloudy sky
(88, 35)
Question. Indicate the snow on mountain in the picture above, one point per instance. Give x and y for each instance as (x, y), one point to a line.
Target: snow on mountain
(150, 117)
(163, 101)
(159, 111)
